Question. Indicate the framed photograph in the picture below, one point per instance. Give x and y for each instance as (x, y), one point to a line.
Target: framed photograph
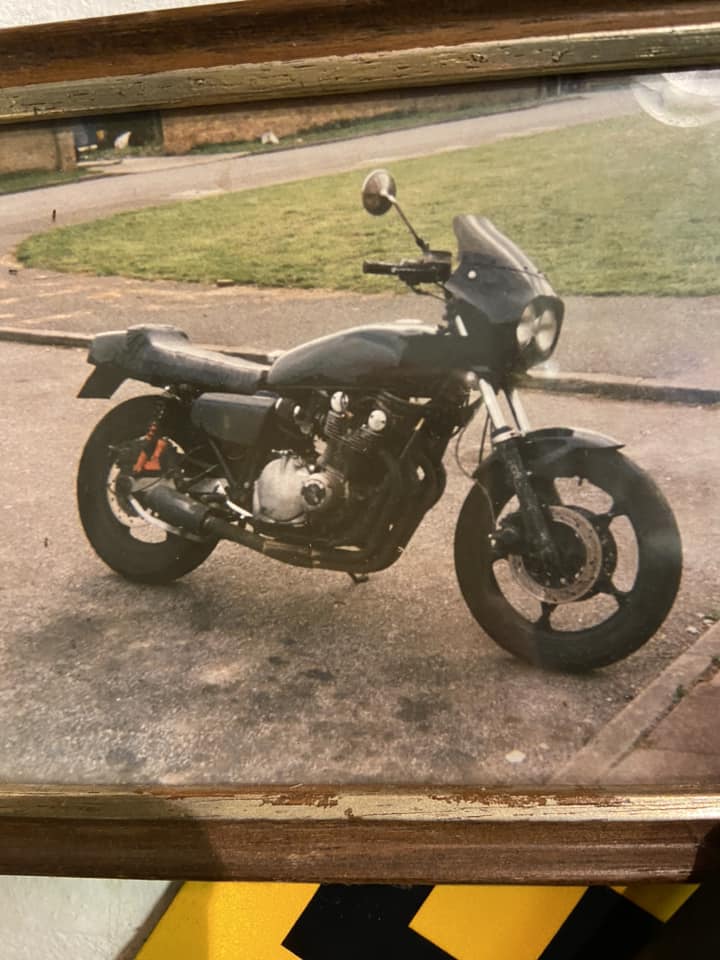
(360, 376)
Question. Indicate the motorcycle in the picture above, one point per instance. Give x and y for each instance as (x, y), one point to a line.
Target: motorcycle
(566, 553)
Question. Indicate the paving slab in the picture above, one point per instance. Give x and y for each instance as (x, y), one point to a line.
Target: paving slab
(666, 767)
(683, 747)
(668, 731)
(689, 727)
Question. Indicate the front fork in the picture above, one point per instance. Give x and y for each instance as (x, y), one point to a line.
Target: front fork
(506, 436)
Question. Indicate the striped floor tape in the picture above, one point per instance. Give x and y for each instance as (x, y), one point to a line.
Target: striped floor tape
(281, 921)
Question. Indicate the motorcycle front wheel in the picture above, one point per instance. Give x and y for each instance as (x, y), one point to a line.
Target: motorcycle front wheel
(127, 543)
(620, 562)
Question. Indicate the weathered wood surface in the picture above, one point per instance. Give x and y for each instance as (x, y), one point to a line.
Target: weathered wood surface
(257, 31)
(361, 834)
(366, 803)
(689, 46)
(263, 49)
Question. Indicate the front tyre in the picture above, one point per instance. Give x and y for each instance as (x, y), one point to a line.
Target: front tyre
(620, 562)
(128, 544)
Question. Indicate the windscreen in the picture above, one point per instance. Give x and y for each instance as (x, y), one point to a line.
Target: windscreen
(493, 274)
(480, 237)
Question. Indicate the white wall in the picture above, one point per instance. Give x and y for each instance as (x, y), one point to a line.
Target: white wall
(15, 13)
(67, 919)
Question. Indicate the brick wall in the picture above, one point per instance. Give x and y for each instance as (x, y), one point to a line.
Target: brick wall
(185, 129)
(35, 147)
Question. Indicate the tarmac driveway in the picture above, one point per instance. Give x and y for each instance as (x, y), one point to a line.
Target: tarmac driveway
(250, 671)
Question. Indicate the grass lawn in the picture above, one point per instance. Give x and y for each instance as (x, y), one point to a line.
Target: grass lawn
(30, 179)
(623, 206)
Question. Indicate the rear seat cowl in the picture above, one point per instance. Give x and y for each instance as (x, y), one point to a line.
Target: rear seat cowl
(107, 347)
(162, 354)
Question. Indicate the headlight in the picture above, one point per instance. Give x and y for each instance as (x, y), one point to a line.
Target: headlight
(546, 330)
(526, 328)
(537, 332)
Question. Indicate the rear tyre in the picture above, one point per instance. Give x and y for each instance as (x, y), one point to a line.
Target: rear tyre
(620, 551)
(124, 541)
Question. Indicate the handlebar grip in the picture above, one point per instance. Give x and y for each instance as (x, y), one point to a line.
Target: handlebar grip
(379, 266)
(431, 269)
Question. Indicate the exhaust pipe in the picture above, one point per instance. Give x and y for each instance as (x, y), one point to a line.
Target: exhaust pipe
(185, 514)
(197, 519)
(176, 508)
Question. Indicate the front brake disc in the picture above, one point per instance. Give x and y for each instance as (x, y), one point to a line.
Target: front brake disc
(581, 560)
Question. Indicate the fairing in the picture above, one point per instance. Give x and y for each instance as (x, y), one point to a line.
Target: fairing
(493, 274)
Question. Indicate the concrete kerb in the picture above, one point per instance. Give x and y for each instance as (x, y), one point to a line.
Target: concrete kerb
(164, 162)
(63, 183)
(593, 762)
(622, 388)
(603, 385)
(81, 341)
(44, 338)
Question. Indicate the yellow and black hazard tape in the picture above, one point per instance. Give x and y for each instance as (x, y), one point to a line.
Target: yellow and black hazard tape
(278, 921)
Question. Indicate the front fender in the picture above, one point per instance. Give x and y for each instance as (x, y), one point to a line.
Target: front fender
(540, 449)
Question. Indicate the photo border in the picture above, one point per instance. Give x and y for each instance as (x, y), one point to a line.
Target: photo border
(383, 833)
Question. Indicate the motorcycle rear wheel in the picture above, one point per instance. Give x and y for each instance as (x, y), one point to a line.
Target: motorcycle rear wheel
(620, 546)
(137, 550)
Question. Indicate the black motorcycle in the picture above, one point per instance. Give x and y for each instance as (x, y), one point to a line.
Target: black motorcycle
(567, 553)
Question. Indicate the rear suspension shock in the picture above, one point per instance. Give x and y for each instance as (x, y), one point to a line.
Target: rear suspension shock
(149, 457)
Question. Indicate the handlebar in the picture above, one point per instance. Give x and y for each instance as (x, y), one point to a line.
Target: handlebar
(379, 266)
(435, 268)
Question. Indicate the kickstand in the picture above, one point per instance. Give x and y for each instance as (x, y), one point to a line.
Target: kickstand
(358, 577)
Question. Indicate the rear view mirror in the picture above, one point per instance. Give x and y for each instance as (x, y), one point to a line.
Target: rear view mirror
(378, 192)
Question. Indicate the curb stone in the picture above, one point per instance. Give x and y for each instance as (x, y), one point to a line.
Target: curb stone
(621, 388)
(81, 341)
(594, 384)
(46, 338)
(616, 739)
(51, 186)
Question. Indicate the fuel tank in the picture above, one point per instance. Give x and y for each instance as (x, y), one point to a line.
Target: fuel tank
(407, 356)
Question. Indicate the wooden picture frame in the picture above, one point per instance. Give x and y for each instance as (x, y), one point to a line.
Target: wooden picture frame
(264, 50)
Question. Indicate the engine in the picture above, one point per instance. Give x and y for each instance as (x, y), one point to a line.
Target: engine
(323, 484)
(290, 486)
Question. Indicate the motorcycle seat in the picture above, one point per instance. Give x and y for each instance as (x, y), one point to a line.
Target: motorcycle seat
(163, 355)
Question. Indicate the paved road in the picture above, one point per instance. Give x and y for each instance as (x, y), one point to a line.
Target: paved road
(251, 671)
(168, 180)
